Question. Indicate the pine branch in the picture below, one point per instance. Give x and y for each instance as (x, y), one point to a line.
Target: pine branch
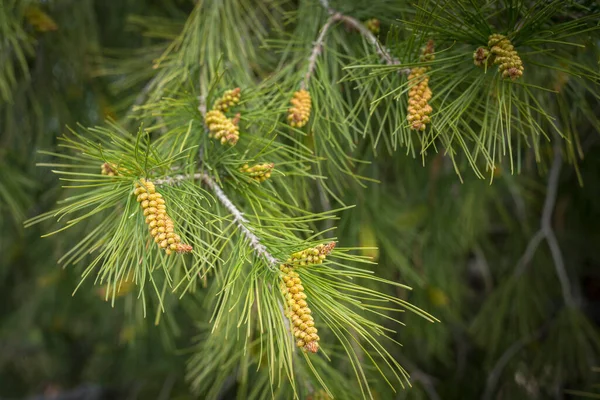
(372, 39)
(559, 264)
(547, 232)
(238, 216)
(316, 50)
(361, 28)
(202, 105)
(241, 222)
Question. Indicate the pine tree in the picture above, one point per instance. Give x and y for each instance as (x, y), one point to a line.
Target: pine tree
(314, 199)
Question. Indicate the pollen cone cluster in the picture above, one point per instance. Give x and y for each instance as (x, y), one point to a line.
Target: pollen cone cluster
(258, 172)
(303, 324)
(159, 223)
(313, 255)
(373, 25)
(420, 93)
(505, 56)
(221, 128)
(299, 112)
(229, 99)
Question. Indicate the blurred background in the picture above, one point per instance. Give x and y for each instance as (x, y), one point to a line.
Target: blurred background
(516, 325)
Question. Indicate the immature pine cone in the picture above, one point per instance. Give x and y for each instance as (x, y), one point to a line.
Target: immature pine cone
(506, 57)
(420, 93)
(303, 324)
(373, 25)
(221, 128)
(299, 113)
(229, 99)
(258, 172)
(159, 223)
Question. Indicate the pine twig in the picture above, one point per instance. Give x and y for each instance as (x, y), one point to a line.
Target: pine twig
(336, 16)
(241, 222)
(202, 105)
(325, 4)
(383, 53)
(547, 232)
(316, 50)
(371, 38)
(238, 216)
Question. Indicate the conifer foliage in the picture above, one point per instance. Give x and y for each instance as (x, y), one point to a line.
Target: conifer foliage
(315, 199)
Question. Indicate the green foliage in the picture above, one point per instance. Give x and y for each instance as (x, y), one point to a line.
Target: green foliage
(492, 255)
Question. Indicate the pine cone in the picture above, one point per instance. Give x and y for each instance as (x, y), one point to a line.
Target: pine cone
(160, 224)
(258, 172)
(221, 128)
(229, 99)
(373, 25)
(299, 113)
(303, 324)
(420, 93)
(506, 57)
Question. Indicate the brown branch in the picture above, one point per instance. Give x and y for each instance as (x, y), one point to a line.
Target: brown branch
(238, 216)
(316, 50)
(547, 232)
(336, 16)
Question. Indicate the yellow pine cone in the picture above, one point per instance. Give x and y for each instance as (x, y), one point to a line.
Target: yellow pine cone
(299, 112)
(420, 93)
(373, 25)
(41, 21)
(229, 99)
(505, 56)
(258, 172)
(313, 255)
(482, 57)
(221, 128)
(303, 324)
(159, 223)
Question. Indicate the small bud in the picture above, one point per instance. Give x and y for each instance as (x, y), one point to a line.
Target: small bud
(373, 25)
